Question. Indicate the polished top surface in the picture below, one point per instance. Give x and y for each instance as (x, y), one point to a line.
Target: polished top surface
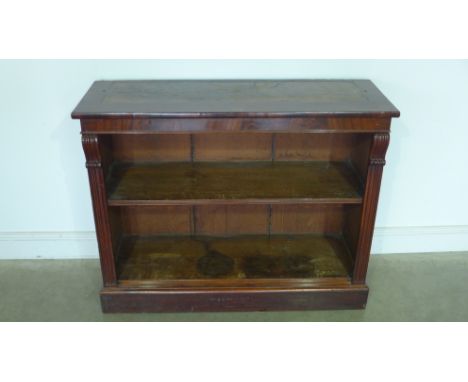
(233, 98)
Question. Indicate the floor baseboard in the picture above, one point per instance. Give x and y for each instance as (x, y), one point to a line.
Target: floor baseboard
(48, 245)
(420, 239)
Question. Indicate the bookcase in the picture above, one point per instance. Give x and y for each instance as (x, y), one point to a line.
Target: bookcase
(234, 195)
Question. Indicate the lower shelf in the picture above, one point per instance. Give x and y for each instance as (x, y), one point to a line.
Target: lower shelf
(146, 260)
(241, 273)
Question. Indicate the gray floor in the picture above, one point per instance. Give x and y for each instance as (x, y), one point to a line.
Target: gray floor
(416, 287)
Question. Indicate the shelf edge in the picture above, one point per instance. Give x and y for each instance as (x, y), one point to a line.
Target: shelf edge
(123, 203)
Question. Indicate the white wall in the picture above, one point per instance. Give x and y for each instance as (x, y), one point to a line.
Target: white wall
(45, 208)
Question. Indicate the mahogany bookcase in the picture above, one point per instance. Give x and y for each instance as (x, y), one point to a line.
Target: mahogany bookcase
(221, 195)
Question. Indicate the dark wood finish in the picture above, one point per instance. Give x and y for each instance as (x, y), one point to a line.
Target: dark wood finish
(351, 227)
(307, 218)
(92, 152)
(226, 220)
(371, 198)
(239, 98)
(151, 148)
(155, 220)
(315, 147)
(243, 283)
(234, 219)
(239, 257)
(242, 125)
(327, 147)
(131, 300)
(234, 195)
(332, 182)
(232, 147)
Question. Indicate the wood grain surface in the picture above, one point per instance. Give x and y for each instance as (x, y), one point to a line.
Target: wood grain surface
(233, 98)
(202, 257)
(202, 182)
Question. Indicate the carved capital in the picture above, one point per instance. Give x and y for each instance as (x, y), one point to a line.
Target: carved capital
(90, 144)
(379, 149)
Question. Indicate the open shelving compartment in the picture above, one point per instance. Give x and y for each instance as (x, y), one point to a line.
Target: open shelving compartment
(235, 210)
(228, 195)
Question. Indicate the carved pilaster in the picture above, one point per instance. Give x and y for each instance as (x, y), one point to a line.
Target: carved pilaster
(369, 207)
(99, 197)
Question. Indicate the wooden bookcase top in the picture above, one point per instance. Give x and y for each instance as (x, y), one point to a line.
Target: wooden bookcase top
(233, 98)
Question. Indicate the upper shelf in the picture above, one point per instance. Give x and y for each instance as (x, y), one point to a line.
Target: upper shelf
(234, 98)
(242, 182)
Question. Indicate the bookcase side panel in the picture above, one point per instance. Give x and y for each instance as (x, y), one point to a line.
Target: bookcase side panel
(94, 164)
(369, 209)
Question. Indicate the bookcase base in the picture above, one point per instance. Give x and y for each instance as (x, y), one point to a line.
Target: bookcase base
(120, 300)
